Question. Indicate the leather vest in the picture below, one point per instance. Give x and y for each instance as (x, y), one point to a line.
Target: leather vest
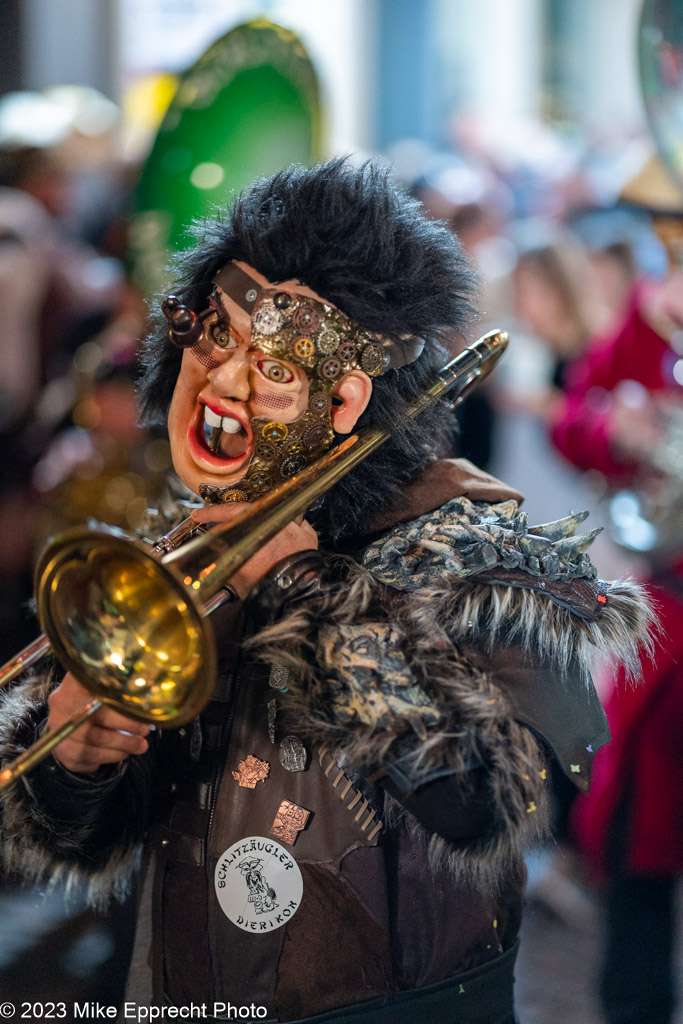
(373, 919)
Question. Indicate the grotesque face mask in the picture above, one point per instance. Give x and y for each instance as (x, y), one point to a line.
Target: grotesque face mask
(253, 401)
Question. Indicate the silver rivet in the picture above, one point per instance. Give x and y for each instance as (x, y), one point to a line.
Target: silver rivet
(173, 787)
(182, 732)
(164, 842)
(284, 582)
(251, 295)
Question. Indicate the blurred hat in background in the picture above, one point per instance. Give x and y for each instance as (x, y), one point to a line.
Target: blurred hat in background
(654, 189)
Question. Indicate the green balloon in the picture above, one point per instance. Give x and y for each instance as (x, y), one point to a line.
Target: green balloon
(248, 107)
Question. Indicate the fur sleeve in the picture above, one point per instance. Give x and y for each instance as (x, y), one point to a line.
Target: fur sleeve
(379, 684)
(102, 856)
(378, 671)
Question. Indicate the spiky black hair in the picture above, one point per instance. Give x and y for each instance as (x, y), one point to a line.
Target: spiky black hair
(355, 238)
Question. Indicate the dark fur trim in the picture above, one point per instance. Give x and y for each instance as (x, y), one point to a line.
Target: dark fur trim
(486, 865)
(35, 845)
(518, 792)
(475, 727)
(625, 632)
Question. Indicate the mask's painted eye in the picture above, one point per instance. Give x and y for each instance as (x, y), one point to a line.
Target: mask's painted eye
(222, 337)
(275, 371)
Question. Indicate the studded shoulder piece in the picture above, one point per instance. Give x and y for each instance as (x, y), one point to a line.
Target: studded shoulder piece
(484, 543)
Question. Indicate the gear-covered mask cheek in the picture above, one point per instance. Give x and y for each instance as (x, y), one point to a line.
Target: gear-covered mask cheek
(325, 344)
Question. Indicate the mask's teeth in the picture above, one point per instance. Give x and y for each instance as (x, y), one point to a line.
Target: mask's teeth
(212, 429)
(212, 418)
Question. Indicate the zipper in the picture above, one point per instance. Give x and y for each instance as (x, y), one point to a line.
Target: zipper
(225, 739)
(222, 762)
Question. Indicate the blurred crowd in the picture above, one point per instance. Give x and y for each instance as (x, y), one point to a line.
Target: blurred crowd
(578, 244)
(580, 259)
(71, 320)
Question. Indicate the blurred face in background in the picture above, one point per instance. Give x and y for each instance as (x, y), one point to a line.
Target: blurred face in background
(546, 295)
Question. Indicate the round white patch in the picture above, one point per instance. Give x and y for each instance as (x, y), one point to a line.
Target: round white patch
(258, 884)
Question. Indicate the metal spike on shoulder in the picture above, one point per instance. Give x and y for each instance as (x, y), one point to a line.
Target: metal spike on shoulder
(560, 527)
(575, 545)
(472, 538)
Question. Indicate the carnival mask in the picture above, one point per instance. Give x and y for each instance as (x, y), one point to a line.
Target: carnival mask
(253, 401)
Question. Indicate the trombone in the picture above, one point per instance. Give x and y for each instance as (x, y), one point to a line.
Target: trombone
(131, 624)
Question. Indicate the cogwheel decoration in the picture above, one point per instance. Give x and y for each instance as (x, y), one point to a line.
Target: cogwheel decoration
(267, 320)
(470, 538)
(326, 344)
(288, 325)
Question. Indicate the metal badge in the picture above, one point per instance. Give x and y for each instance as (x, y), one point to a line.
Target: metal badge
(279, 678)
(272, 720)
(289, 821)
(250, 771)
(292, 754)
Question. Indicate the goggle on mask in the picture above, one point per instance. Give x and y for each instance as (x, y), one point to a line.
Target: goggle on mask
(298, 329)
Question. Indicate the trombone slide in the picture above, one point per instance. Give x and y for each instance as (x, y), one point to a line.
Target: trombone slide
(47, 742)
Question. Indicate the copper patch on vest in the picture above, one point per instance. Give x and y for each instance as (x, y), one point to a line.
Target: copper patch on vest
(250, 771)
(289, 821)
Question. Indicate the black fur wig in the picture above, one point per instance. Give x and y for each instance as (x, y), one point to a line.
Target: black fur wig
(351, 235)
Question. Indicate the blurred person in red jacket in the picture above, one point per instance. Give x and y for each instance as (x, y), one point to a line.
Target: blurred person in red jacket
(623, 416)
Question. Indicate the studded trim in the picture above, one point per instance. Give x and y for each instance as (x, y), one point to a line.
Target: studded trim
(354, 801)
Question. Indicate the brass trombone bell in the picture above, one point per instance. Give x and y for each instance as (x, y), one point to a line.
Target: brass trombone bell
(124, 625)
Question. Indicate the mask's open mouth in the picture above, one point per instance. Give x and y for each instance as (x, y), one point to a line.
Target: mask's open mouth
(224, 436)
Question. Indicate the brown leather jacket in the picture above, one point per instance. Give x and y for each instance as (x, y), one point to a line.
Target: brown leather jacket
(409, 877)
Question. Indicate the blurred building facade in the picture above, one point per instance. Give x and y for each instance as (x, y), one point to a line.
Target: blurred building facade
(390, 68)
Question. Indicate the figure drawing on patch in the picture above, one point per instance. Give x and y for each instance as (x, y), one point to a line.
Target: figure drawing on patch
(261, 894)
